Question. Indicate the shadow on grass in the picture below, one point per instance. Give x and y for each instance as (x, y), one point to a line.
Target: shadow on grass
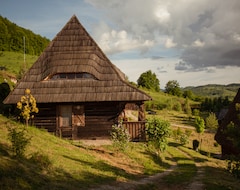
(18, 174)
(102, 166)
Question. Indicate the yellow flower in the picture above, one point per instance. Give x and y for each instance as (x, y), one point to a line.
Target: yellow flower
(27, 91)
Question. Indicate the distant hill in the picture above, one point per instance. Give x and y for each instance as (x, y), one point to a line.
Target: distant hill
(215, 90)
(11, 38)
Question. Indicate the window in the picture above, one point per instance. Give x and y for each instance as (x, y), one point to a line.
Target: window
(72, 76)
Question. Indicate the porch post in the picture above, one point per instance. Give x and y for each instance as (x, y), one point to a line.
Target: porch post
(141, 113)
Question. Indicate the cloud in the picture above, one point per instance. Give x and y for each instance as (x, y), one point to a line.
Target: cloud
(117, 41)
(169, 43)
(206, 32)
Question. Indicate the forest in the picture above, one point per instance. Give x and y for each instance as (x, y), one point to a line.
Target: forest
(11, 38)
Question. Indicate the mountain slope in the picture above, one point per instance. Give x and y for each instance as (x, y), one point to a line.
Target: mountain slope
(11, 39)
(215, 90)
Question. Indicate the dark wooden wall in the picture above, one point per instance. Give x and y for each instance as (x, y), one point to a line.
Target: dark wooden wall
(99, 118)
(46, 117)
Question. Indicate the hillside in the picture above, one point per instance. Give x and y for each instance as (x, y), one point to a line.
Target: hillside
(215, 90)
(54, 163)
(11, 38)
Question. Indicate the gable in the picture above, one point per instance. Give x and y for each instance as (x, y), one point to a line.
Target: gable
(71, 52)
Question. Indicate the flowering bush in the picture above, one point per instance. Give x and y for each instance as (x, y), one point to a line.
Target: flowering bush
(120, 136)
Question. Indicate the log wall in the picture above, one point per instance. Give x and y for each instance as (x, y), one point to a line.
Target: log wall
(46, 117)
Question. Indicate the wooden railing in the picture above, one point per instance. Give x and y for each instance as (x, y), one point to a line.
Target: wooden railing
(136, 130)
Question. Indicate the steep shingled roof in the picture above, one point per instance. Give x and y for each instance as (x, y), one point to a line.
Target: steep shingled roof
(74, 52)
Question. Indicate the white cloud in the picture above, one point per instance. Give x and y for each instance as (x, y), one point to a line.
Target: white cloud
(198, 43)
(118, 41)
(162, 14)
(169, 43)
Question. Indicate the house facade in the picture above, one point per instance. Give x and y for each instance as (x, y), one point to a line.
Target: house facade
(79, 92)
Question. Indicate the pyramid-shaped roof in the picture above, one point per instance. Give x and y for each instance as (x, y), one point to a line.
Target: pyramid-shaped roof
(74, 69)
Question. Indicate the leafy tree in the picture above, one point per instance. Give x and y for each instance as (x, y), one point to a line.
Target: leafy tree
(28, 106)
(172, 87)
(11, 38)
(157, 132)
(149, 80)
(200, 126)
(187, 107)
(188, 94)
(211, 121)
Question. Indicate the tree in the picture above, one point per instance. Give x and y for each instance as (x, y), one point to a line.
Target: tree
(172, 87)
(187, 107)
(149, 80)
(157, 132)
(211, 121)
(188, 94)
(28, 106)
(200, 126)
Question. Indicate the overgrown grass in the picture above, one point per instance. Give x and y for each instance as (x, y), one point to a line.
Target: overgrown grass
(53, 163)
(62, 164)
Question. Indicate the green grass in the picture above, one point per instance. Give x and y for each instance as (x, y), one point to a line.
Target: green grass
(185, 171)
(72, 165)
(54, 163)
(13, 61)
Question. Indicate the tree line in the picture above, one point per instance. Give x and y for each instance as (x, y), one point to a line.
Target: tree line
(150, 81)
(11, 39)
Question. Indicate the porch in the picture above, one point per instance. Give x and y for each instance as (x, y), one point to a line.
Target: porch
(136, 130)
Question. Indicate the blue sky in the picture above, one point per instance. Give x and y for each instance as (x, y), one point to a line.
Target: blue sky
(193, 42)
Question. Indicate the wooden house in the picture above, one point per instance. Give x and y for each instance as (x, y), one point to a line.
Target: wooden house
(79, 92)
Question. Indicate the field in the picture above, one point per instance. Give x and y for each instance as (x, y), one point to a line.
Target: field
(53, 163)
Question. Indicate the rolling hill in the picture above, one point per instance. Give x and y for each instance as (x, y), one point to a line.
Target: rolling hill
(215, 90)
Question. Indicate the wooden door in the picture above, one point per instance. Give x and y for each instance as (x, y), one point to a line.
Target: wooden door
(65, 121)
(65, 116)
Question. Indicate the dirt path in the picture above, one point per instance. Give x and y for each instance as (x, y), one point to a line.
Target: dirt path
(196, 183)
(156, 180)
(130, 185)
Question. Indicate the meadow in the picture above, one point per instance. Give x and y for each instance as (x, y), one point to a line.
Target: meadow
(54, 163)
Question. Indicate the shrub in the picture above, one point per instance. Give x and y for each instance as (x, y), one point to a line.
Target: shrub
(120, 136)
(196, 112)
(234, 166)
(177, 107)
(181, 136)
(41, 160)
(157, 132)
(211, 121)
(19, 139)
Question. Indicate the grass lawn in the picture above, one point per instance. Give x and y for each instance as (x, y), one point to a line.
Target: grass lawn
(54, 163)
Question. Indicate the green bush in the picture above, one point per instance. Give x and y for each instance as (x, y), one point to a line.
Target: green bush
(120, 136)
(157, 132)
(41, 160)
(234, 166)
(196, 112)
(211, 121)
(181, 136)
(177, 107)
(19, 140)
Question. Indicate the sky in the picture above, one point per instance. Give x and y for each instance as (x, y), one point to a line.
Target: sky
(195, 42)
